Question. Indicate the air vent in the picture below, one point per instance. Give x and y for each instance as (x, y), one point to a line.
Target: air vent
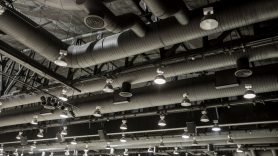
(94, 22)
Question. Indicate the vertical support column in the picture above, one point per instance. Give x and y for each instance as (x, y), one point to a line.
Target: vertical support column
(253, 152)
(274, 153)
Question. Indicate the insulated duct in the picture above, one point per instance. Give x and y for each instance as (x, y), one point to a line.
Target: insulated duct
(202, 88)
(101, 17)
(163, 33)
(240, 137)
(208, 63)
(148, 74)
(164, 9)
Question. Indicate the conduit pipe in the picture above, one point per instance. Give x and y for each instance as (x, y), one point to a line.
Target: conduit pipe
(240, 137)
(148, 74)
(202, 88)
(164, 9)
(163, 33)
(170, 111)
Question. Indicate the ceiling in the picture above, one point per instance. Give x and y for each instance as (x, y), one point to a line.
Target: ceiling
(207, 75)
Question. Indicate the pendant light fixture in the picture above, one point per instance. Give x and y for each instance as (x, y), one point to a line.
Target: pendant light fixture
(159, 79)
(249, 93)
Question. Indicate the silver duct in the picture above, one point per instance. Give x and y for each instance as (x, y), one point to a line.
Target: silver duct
(164, 9)
(168, 32)
(99, 17)
(164, 33)
(239, 137)
(198, 88)
(148, 74)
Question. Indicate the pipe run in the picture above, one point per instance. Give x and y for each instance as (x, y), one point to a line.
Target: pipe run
(208, 63)
(164, 9)
(152, 113)
(202, 88)
(163, 33)
(240, 137)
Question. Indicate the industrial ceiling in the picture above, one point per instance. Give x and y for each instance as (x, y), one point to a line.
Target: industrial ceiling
(138, 77)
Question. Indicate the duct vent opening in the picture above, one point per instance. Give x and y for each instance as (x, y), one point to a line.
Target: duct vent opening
(94, 22)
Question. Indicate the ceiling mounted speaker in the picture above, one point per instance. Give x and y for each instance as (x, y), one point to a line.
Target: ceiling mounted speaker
(126, 90)
(191, 127)
(243, 68)
(23, 141)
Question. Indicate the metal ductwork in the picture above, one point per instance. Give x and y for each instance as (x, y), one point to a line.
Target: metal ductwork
(164, 9)
(209, 63)
(240, 137)
(45, 43)
(148, 74)
(163, 33)
(99, 17)
(202, 88)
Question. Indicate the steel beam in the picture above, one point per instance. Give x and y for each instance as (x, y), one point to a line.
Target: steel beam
(25, 61)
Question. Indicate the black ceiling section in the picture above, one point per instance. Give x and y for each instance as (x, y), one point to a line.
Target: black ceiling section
(138, 77)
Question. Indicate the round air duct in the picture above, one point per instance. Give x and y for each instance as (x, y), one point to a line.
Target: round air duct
(243, 69)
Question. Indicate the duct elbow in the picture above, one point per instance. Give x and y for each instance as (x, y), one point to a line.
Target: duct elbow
(134, 23)
(164, 9)
(101, 17)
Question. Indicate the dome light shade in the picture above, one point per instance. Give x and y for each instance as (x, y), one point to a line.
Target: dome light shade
(73, 142)
(150, 150)
(159, 79)
(18, 137)
(123, 139)
(108, 147)
(64, 115)
(161, 143)
(40, 134)
(63, 96)
(185, 135)
(216, 127)
(176, 152)
(185, 101)
(123, 126)
(162, 121)
(204, 117)
(108, 88)
(208, 22)
(35, 120)
(194, 143)
(61, 61)
(34, 145)
(97, 112)
(125, 152)
(230, 140)
(2, 10)
(249, 93)
(239, 149)
(64, 131)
